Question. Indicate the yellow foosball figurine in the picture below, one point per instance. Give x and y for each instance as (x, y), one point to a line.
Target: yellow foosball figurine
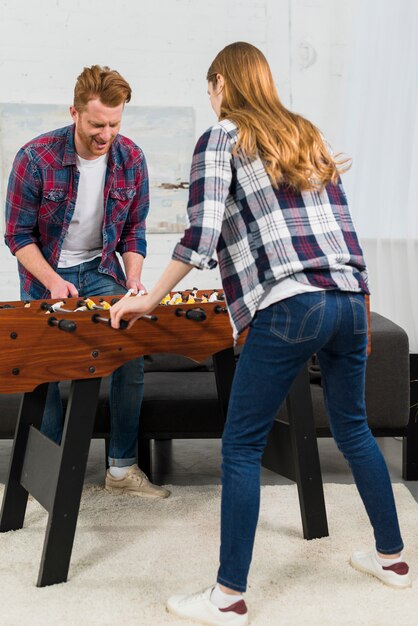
(166, 299)
(105, 305)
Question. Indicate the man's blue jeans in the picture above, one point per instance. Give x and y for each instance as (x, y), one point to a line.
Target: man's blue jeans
(127, 382)
(281, 338)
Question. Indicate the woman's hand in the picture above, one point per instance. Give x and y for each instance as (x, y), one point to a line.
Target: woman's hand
(131, 308)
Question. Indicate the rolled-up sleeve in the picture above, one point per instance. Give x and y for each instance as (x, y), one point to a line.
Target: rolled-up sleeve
(210, 181)
(22, 203)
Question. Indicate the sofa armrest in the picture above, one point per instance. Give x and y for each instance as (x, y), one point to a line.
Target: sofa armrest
(387, 375)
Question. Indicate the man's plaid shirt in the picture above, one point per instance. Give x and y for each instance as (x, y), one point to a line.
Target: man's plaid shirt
(41, 199)
(262, 234)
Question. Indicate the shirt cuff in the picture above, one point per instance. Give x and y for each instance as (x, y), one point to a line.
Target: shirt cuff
(133, 245)
(16, 242)
(186, 255)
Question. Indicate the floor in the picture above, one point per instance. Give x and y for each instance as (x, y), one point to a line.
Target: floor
(197, 462)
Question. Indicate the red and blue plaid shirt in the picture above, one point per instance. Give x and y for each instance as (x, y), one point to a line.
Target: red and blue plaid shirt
(42, 193)
(264, 234)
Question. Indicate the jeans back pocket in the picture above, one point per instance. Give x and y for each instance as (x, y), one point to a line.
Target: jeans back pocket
(358, 306)
(299, 318)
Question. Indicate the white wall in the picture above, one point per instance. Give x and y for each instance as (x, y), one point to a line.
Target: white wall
(163, 48)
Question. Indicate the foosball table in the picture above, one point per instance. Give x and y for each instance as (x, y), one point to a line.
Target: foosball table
(50, 340)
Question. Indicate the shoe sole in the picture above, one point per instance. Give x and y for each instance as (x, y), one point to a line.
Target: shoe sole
(197, 620)
(118, 491)
(359, 568)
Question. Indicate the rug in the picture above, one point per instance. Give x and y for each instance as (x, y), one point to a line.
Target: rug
(130, 554)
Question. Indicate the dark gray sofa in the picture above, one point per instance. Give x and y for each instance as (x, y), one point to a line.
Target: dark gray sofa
(181, 399)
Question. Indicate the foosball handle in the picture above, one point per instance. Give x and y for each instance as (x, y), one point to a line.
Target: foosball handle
(198, 315)
(68, 325)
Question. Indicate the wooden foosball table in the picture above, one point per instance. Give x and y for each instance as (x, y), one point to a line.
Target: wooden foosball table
(46, 341)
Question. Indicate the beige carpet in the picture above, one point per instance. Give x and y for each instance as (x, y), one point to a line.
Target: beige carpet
(131, 554)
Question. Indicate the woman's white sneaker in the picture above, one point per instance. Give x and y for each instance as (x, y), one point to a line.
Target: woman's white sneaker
(198, 607)
(395, 575)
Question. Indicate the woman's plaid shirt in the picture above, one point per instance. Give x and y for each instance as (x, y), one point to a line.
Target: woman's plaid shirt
(262, 234)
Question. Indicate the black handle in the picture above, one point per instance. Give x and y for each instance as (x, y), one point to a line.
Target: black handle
(67, 325)
(198, 315)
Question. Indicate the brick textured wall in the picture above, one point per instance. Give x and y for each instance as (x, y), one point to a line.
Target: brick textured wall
(164, 48)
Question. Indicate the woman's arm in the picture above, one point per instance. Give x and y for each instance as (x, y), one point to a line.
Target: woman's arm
(132, 308)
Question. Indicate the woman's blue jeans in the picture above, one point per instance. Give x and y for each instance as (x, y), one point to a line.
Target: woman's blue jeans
(332, 324)
(127, 382)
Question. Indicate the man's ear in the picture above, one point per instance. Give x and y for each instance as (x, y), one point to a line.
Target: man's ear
(73, 113)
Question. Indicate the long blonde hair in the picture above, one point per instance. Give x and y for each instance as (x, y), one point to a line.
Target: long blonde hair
(292, 148)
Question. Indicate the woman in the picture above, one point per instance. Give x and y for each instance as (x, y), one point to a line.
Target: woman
(265, 193)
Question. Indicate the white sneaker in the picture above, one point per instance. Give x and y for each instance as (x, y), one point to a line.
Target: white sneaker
(396, 575)
(199, 608)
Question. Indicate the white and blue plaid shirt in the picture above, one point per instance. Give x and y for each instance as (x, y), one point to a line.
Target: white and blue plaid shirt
(263, 234)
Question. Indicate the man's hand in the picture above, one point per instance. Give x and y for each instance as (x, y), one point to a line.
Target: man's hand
(135, 285)
(32, 259)
(61, 288)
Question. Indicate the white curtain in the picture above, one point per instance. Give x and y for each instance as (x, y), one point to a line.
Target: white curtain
(379, 130)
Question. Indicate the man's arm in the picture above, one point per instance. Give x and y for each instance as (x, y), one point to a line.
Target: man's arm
(22, 207)
(33, 260)
(133, 263)
(132, 245)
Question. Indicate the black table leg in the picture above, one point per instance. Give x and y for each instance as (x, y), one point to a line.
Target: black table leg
(306, 458)
(292, 451)
(62, 520)
(53, 474)
(15, 496)
(410, 442)
(224, 368)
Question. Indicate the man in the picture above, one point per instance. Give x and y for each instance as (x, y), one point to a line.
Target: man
(76, 196)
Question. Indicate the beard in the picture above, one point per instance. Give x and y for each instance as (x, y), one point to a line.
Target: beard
(92, 145)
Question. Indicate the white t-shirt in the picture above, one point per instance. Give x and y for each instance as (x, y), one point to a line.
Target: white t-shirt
(84, 239)
(286, 288)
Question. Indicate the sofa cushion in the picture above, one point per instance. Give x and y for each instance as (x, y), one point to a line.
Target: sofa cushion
(177, 402)
(387, 379)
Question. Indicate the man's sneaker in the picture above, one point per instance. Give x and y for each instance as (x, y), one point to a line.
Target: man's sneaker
(396, 575)
(134, 483)
(199, 608)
